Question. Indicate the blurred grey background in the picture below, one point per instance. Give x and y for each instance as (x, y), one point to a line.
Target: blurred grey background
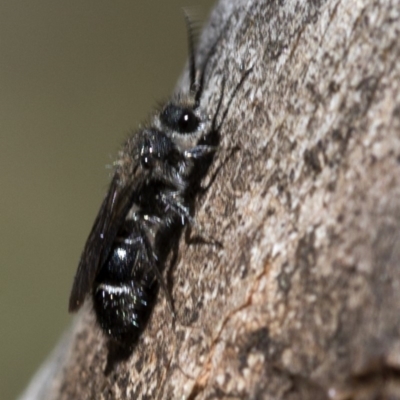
(76, 77)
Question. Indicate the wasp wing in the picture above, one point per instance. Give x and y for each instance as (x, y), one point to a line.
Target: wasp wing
(113, 211)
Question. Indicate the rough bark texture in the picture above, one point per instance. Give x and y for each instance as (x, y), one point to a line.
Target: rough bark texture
(303, 300)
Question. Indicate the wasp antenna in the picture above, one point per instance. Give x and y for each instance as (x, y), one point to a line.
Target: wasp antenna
(210, 53)
(192, 33)
(231, 97)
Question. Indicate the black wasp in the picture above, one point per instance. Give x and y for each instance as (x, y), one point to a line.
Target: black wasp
(156, 176)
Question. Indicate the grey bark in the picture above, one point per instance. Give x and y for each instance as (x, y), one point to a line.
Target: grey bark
(303, 300)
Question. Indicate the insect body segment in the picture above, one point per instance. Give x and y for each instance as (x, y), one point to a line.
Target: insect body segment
(125, 286)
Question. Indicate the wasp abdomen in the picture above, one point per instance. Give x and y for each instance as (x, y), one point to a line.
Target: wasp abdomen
(123, 309)
(125, 288)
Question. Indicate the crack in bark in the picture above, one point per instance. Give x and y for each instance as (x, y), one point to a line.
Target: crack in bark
(203, 377)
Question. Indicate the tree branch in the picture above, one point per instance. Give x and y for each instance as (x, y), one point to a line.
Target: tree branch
(303, 300)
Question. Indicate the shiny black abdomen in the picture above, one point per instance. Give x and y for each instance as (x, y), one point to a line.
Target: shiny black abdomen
(125, 288)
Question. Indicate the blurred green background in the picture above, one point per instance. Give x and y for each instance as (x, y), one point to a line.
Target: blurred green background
(75, 78)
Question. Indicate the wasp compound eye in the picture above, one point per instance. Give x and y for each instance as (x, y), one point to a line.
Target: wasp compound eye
(180, 119)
